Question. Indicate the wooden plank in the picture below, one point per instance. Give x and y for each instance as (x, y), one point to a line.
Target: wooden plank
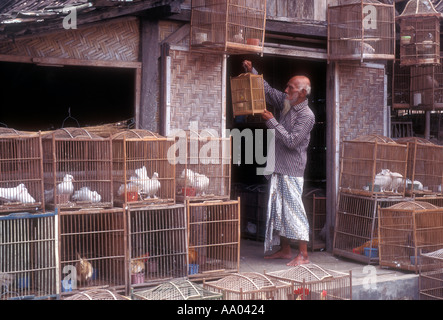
(296, 53)
(87, 63)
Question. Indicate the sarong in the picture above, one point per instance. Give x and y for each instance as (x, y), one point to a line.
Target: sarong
(286, 215)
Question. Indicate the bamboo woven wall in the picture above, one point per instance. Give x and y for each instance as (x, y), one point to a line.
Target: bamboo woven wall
(117, 40)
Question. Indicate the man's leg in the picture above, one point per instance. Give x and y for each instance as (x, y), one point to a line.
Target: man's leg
(284, 252)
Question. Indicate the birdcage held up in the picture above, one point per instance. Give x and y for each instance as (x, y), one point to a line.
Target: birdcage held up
(361, 30)
(228, 26)
(248, 94)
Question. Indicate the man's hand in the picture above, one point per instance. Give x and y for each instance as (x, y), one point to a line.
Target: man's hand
(267, 115)
(247, 65)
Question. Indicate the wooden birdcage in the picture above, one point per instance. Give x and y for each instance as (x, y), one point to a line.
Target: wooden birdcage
(177, 290)
(250, 286)
(143, 171)
(77, 168)
(425, 167)
(419, 34)
(312, 282)
(248, 94)
(28, 258)
(157, 244)
(228, 26)
(96, 294)
(21, 171)
(401, 86)
(96, 239)
(430, 281)
(427, 87)
(356, 226)
(213, 238)
(315, 206)
(405, 230)
(372, 165)
(203, 166)
(361, 30)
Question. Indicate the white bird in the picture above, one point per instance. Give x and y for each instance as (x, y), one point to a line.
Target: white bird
(130, 186)
(396, 181)
(417, 185)
(201, 183)
(153, 186)
(66, 186)
(239, 37)
(383, 179)
(19, 194)
(85, 194)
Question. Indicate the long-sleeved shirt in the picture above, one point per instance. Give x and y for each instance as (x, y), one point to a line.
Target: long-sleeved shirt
(292, 133)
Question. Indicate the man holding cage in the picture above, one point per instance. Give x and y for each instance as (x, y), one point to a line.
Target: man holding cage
(286, 218)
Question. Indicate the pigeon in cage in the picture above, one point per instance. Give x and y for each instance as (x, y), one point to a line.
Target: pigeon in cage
(66, 187)
(85, 194)
(147, 187)
(84, 270)
(152, 186)
(239, 36)
(396, 181)
(17, 194)
(196, 180)
(383, 179)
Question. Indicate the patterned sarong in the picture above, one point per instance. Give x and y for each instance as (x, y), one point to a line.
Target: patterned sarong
(286, 215)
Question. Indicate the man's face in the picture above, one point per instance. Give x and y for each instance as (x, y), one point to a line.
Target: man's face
(293, 94)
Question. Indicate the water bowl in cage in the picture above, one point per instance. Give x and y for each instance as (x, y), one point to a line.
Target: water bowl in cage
(131, 196)
(189, 192)
(23, 283)
(371, 252)
(193, 268)
(66, 285)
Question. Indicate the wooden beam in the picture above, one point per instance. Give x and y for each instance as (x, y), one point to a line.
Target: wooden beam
(78, 62)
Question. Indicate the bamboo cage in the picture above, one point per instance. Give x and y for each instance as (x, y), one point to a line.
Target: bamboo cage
(419, 34)
(21, 171)
(315, 207)
(248, 94)
(312, 282)
(361, 30)
(157, 245)
(96, 294)
(425, 167)
(28, 259)
(405, 230)
(364, 163)
(228, 26)
(77, 168)
(203, 166)
(213, 238)
(250, 286)
(356, 226)
(181, 289)
(401, 86)
(427, 87)
(430, 281)
(143, 170)
(95, 238)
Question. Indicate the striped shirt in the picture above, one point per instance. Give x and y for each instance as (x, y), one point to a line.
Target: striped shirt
(292, 133)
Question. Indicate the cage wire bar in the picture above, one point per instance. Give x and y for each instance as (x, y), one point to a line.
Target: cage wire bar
(405, 230)
(228, 26)
(361, 30)
(21, 171)
(213, 238)
(250, 286)
(430, 280)
(85, 159)
(28, 256)
(157, 242)
(356, 226)
(98, 236)
(424, 168)
(312, 282)
(363, 160)
(203, 166)
(143, 169)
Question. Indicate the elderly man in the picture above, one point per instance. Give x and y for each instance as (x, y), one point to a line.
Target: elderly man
(286, 217)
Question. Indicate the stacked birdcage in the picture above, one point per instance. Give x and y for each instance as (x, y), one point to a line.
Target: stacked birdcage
(425, 167)
(373, 164)
(250, 286)
(405, 230)
(77, 168)
(419, 34)
(401, 86)
(181, 289)
(361, 30)
(213, 237)
(96, 294)
(356, 226)
(248, 94)
(233, 27)
(28, 257)
(157, 238)
(92, 249)
(143, 171)
(21, 171)
(203, 166)
(315, 206)
(430, 280)
(312, 282)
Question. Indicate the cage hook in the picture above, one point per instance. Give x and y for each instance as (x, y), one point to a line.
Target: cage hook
(70, 117)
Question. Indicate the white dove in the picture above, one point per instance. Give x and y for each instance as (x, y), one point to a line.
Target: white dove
(19, 193)
(130, 186)
(153, 186)
(239, 36)
(201, 183)
(66, 186)
(85, 194)
(383, 179)
(396, 181)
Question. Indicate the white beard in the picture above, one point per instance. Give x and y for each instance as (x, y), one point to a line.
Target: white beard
(287, 106)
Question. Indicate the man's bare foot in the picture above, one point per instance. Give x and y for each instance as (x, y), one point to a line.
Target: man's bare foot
(298, 260)
(280, 254)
